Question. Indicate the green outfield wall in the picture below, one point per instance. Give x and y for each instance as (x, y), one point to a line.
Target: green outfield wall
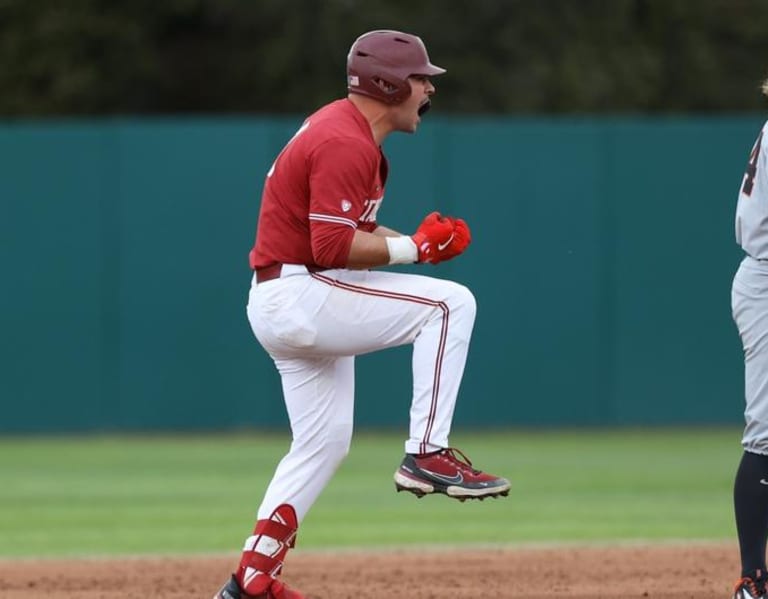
(601, 260)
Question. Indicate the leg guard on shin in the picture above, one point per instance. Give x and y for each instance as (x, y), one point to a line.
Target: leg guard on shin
(265, 550)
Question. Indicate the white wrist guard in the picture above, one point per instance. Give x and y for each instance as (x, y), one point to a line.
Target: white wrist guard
(402, 250)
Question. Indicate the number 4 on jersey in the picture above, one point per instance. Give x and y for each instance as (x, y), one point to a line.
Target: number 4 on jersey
(749, 175)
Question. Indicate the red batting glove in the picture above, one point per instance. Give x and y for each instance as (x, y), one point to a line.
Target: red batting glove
(456, 244)
(462, 237)
(434, 235)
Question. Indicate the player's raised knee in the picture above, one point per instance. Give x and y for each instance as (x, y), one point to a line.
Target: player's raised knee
(462, 299)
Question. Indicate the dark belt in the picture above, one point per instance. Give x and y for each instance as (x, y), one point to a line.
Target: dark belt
(273, 272)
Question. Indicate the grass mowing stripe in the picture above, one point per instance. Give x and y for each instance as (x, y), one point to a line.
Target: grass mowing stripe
(198, 494)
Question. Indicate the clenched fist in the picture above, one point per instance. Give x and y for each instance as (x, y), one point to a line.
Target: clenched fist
(441, 238)
(462, 237)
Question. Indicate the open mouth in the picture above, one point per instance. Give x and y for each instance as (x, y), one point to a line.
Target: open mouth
(424, 107)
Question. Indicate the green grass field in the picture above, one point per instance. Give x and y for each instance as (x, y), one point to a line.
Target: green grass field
(198, 494)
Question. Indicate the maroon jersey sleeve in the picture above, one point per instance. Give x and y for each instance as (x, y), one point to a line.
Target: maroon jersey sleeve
(343, 172)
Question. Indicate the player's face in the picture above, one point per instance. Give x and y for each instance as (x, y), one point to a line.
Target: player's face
(406, 115)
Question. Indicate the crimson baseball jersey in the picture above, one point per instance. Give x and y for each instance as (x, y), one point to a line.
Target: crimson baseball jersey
(327, 182)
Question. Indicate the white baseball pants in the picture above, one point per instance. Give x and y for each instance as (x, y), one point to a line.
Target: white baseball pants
(313, 325)
(749, 302)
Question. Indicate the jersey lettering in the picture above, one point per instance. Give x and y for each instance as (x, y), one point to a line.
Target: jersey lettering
(369, 214)
(301, 130)
(751, 172)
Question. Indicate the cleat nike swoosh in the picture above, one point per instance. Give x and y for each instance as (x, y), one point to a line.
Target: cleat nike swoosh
(451, 480)
(442, 246)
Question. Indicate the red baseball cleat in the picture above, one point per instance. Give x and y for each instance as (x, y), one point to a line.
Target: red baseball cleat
(444, 472)
(276, 590)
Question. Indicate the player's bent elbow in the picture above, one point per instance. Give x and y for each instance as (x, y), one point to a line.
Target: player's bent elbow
(329, 248)
(328, 259)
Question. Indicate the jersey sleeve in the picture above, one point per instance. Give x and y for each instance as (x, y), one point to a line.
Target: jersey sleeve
(342, 171)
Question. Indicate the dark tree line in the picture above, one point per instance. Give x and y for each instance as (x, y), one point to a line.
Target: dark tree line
(89, 57)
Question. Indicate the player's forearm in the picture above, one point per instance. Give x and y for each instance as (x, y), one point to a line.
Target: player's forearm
(368, 250)
(385, 232)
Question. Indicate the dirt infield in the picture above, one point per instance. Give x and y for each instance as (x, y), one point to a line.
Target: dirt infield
(703, 571)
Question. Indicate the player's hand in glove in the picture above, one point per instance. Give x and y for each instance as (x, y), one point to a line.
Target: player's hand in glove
(434, 232)
(462, 237)
(441, 238)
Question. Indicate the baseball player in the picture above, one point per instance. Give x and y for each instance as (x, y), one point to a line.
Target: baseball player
(749, 300)
(314, 303)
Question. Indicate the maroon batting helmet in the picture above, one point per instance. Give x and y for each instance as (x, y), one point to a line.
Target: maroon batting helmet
(380, 62)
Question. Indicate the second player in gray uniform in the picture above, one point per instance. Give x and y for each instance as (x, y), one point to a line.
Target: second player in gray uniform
(749, 299)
